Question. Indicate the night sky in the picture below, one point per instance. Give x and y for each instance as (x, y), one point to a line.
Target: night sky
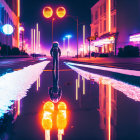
(31, 13)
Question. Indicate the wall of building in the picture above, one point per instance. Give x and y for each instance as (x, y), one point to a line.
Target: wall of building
(128, 20)
(8, 14)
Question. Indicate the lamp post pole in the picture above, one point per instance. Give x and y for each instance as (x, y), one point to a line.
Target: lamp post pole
(52, 28)
(77, 37)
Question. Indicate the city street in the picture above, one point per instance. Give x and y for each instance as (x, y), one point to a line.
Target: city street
(96, 106)
(69, 70)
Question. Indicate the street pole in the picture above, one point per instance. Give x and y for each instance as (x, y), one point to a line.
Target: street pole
(89, 48)
(22, 40)
(52, 28)
(77, 37)
(83, 40)
(37, 35)
(32, 40)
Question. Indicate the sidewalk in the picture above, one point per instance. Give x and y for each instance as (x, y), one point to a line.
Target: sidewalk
(113, 62)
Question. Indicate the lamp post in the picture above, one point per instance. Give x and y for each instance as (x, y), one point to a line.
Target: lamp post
(77, 26)
(68, 49)
(64, 39)
(48, 13)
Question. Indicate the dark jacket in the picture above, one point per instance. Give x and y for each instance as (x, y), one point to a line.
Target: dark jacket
(54, 51)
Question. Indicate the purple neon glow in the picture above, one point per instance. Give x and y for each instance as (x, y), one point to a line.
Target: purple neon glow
(104, 41)
(130, 91)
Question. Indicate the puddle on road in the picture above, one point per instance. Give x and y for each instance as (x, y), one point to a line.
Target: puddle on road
(107, 103)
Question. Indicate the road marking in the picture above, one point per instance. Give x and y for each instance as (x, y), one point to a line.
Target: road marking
(61, 70)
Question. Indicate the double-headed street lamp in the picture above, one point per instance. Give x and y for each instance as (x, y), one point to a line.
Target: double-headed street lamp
(48, 13)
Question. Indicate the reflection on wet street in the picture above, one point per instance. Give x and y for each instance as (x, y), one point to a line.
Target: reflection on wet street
(92, 106)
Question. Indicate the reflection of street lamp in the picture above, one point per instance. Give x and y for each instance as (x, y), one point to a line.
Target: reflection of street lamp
(48, 13)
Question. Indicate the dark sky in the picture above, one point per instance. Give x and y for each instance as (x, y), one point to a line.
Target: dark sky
(31, 13)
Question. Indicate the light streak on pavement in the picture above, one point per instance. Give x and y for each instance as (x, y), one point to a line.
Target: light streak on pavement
(122, 71)
(14, 86)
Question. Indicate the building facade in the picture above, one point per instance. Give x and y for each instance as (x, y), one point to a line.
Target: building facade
(9, 14)
(113, 22)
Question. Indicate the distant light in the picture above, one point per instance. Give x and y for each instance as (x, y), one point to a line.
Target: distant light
(61, 12)
(43, 58)
(68, 36)
(64, 39)
(47, 12)
(21, 29)
(134, 38)
(7, 29)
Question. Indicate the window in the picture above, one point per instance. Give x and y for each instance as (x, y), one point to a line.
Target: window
(100, 26)
(96, 15)
(105, 7)
(113, 4)
(104, 25)
(114, 20)
(101, 10)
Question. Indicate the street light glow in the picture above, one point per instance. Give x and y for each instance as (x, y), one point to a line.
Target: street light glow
(47, 12)
(68, 36)
(61, 12)
(7, 29)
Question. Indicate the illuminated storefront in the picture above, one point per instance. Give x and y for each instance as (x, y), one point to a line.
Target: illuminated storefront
(104, 45)
(107, 20)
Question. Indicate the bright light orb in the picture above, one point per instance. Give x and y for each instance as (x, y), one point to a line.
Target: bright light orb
(7, 29)
(61, 12)
(47, 12)
(48, 106)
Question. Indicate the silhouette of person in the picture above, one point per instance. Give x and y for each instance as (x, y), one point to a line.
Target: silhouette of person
(55, 53)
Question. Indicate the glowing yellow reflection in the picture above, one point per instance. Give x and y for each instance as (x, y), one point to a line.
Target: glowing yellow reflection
(18, 107)
(48, 106)
(107, 110)
(84, 90)
(61, 116)
(76, 89)
(78, 80)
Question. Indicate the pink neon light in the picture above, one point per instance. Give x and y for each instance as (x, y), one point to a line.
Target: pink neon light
(134, 38)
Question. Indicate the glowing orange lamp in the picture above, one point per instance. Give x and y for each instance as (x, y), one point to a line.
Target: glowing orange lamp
(47, 12)
(61, 12)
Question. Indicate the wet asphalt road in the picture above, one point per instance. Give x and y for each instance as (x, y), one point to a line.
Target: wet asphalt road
(88, 117)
